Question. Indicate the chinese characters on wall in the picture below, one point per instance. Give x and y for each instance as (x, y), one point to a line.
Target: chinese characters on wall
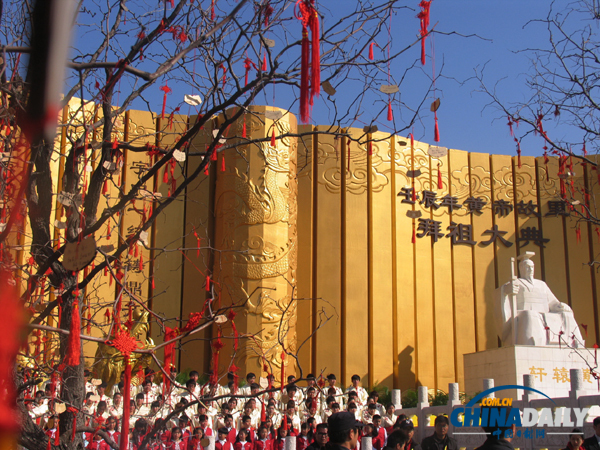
(462, 234)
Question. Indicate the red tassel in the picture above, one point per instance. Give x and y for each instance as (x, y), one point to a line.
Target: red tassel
(578, 234)
(414, 235)
(213, 156)
(315, 82)
(105, 187)
(371, 55)
(264, 63)
(207, 283)
(412, 141)
(206, 170)
(212, 10)
(166, 174)
(273, 138)
(141, 263)
(223, 163)
(304, 77)
(440, 184)
(167, 90)
(518, 153)
(124, 444)
(244, 135)
(153, 283)
(424, 21)
(73, 352)
(370, 148)
(310, 62)
(436, 136)
(390, 115)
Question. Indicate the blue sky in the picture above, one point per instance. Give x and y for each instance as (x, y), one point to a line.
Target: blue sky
(497, 30)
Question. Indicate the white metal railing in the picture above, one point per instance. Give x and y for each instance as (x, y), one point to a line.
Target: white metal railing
(471, 437)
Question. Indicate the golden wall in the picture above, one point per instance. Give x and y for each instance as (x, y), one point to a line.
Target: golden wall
(321, 234)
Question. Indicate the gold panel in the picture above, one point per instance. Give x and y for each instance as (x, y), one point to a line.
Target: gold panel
(355, 247)
(462, 269)
(381, 257)
(555, 269)
(525, 212)
(503, 190)
(593, 332)
(199, 218)
(582, 298)
(168, 237)
(327, 346)
(478, 175)
(442, 278)
(405, 356)
(305, 250)
(424, 293)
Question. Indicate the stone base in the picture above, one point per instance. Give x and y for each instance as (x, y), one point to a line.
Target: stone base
(549, 365)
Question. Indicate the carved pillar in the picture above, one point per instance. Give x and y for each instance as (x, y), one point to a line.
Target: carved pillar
(256, 239)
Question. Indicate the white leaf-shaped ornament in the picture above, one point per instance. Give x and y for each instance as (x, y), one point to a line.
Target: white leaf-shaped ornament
(193, 100)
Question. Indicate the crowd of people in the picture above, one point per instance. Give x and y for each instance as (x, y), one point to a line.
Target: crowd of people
(254, 417)
(246, 418)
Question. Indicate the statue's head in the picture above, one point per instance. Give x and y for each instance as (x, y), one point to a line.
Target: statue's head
(526, 268)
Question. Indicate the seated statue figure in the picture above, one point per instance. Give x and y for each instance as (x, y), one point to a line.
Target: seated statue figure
(541, 319)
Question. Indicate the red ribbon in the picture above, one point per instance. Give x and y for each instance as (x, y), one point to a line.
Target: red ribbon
(310, 61)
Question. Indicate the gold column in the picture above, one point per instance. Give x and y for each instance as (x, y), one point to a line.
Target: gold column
(305, 247)
(256, 241)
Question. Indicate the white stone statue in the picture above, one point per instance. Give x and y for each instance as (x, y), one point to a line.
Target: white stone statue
(541, 319)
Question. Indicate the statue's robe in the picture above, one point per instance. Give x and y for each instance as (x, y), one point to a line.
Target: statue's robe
(541, 318)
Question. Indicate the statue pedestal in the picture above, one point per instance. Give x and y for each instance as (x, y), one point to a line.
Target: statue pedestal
(549, 366)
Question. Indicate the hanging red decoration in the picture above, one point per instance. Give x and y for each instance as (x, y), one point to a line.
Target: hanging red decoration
(310, 61)
(423, 17)
(390, 114)
(248, 64)
(244, 133)
(518, 153)
(126, 344)
(546, 160)
(370, 148)
(268, 11)
(439, 177)
(223, 163)
(170, 334)
(578, 234)
(273, 143)
(263, 67)
(207, 283)
(414, 233)
(436, 135)
(371, 54)
(167, 90)
(510, 126)
(73, 352)
(282, 370)
(212, 10)
(224, 77)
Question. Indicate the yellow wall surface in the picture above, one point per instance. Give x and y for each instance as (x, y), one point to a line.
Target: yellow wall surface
(381, 286)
